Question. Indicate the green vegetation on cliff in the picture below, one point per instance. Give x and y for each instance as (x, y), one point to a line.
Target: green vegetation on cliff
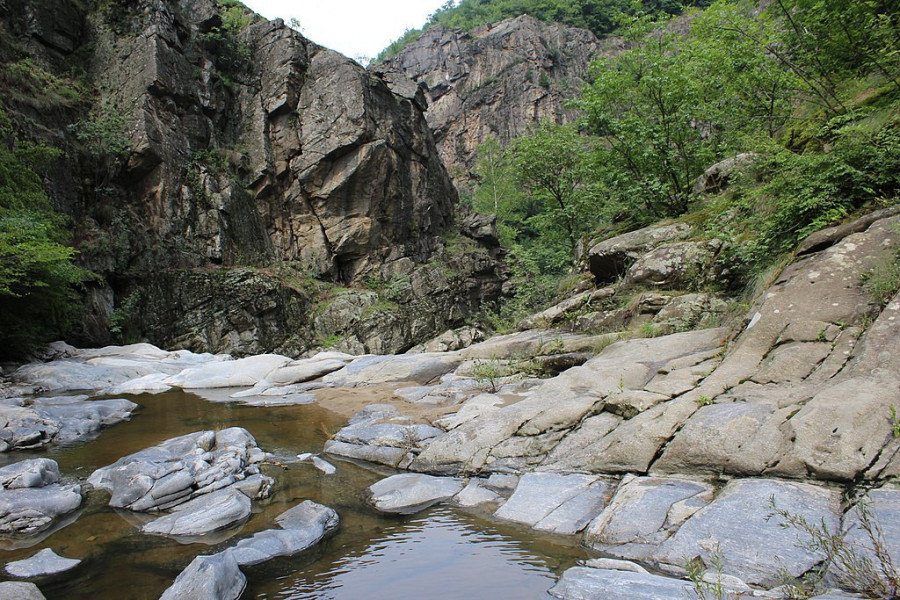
(805, 92)
(36, 268)
(598, 16)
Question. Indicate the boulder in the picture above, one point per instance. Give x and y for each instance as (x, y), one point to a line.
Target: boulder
(715, 179)
(216, 577)
(203, 515)
(43, 421)
(237, 373)
(180, 469)
(31, 499)
(302, 527)
(410, 493)
(45, 562)
(420, 368)
(610, 259)
(676, 265)
(20, 590)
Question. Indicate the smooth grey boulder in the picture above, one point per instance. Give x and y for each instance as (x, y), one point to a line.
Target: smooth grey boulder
(32, 473)
(230, 373)
(643, 513)
(179, 469)
(420, 368)
(409, 493)
(753, 543)
(20, 590)
(585, 583)
(556, 502)
(216, 577)
(31, 499)
(476, 493)
(31, 510)
(676, 265)
(203, 515)
(45, 562)
(39, 422)
(301, 527)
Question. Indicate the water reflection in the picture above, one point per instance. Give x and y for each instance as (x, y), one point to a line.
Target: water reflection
(442, 553)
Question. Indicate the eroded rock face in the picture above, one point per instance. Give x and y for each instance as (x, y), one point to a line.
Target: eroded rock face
(495, 81)
(253, 162)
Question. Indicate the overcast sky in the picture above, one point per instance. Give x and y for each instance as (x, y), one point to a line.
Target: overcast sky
(352, 27)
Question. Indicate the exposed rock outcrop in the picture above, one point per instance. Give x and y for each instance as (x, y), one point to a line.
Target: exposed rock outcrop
(496, 80)
(261, 172)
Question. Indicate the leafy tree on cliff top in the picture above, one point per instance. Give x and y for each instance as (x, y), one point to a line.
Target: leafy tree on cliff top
(599, 16)
(36, 268)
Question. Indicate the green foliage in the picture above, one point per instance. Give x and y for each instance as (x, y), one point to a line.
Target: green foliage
(27, 81)
(872, 574)
(37, 274)
(882, 282)
(706, 587)
(233, 55)
(895, 422)
(600, 16)
(489, 374)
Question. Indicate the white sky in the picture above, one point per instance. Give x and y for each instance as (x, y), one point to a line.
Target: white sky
(355, 28)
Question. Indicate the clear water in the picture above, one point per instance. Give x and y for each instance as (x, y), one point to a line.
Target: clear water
(442, 553)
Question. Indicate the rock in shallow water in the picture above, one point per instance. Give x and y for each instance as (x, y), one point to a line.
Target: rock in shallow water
(20, 590)
(216, 577)
(31, 500)
(179, 469)
(409, 493)
(65, 419)
(203, 515)
(301, 527)
(45, 562)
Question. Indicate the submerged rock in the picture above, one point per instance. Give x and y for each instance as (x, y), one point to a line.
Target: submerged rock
(45, 562)
(216, 577)
(179, 469)
(409, 493)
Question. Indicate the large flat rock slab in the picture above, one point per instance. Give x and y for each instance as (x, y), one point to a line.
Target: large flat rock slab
(644, 512)
(41, 421)
(20, 590)
(420, 368)
(740, 526)
(556, 502)
(585, 583)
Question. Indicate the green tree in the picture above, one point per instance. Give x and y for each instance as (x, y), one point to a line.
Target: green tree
(37, 274)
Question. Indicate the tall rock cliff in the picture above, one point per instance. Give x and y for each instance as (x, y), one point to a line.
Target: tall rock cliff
(258, 175)
(496, 80)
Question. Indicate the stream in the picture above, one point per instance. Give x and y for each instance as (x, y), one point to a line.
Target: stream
(442, 553)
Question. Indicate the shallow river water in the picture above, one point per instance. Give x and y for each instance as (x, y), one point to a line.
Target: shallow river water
(442, 553)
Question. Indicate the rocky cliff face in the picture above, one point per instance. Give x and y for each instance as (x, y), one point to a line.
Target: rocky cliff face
(250, 148)
(497, 80)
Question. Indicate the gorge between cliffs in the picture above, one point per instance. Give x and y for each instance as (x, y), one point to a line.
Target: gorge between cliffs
(282, 375)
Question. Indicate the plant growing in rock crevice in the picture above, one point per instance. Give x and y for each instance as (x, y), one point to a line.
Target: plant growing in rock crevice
(870, 571)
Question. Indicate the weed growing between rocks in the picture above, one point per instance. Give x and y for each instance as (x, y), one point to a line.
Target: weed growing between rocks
(853, 566)
(707, 580)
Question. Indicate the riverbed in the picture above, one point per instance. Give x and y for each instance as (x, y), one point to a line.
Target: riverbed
(442, 553)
